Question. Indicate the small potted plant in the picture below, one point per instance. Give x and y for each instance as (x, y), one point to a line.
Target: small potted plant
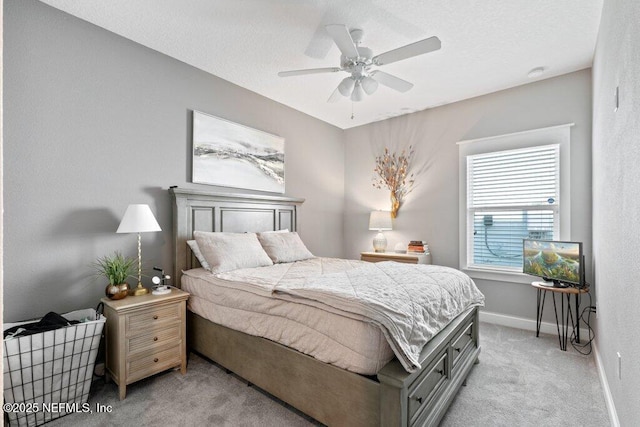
(117, 269)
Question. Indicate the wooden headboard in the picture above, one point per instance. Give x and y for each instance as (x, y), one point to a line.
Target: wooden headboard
(200, 210)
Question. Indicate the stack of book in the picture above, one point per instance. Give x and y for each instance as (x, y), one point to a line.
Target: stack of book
(416, 247)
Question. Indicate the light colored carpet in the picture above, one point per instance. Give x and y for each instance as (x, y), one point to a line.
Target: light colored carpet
(527, 381)
(521, 381)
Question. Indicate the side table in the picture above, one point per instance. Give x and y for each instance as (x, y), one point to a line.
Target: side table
(145, 335)
(562, 324)
(410, 258)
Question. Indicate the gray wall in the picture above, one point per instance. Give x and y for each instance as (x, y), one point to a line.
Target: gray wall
(94, 122)
(616, 202)
(431, 210)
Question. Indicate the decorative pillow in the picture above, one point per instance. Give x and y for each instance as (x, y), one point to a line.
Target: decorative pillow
(231, 251)
(284, 247)
(196, 251)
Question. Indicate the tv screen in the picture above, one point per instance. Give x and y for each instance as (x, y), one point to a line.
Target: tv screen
(557, 262)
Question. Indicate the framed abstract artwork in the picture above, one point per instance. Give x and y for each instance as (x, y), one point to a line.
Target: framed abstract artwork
(232, 155)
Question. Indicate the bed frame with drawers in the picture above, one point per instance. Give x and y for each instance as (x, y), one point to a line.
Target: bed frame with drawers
(325, 392)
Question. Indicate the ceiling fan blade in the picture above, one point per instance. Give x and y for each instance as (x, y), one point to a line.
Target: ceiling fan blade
(340, 34)
(408, 51)
(335, 96)
(390, 81)
(309, 71)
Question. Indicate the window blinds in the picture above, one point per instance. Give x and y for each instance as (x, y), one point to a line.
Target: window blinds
(511, 195)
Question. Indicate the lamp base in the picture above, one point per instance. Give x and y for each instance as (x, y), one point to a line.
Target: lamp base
(139, 290)
(379, 243)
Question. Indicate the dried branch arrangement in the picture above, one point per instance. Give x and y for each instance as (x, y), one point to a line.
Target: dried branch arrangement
(393, 173)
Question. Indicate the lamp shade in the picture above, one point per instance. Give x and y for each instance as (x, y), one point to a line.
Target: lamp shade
(346, 86)
(358, 93)
(369, 85)
(380, 220)
(138, 219)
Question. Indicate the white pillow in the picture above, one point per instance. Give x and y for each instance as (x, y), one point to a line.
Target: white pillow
(196, 251)
(231, 251)
(284, 247)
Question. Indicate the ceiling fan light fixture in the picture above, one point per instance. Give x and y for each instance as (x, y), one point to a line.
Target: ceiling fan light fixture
(357, 60)
(358, 93)
(346, 86)
(369, 85)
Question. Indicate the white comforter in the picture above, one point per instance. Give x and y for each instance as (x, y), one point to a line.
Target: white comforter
(243, 300)
(410, 302)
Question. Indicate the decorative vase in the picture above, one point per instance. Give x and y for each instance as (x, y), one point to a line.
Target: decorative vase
(395, 205)
(124, 287)
(117, 291)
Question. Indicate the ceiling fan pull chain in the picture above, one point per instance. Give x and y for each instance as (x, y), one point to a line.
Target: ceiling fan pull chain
(352, 116)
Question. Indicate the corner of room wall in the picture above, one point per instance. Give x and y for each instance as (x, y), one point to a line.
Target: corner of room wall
(93, 122)
(431, 211)
(616, 203)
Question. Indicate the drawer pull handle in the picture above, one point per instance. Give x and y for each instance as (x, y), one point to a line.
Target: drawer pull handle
(440, 371)
(419, 399)
(155, 317)
(155, 360)
(457, 349)
(155, 338)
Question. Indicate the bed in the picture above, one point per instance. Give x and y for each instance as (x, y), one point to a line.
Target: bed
(330, 394)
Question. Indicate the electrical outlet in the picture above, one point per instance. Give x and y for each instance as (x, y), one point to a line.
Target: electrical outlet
(619, 365)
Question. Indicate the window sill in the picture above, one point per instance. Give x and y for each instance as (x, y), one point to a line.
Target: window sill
(497, 275)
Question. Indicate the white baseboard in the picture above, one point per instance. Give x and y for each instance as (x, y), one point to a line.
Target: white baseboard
(608, 398)
(517, 322)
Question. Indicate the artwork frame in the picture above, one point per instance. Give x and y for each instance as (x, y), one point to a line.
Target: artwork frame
(229, 154)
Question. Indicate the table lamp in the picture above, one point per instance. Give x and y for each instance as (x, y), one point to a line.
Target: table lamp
(138, 219)
(380, 221)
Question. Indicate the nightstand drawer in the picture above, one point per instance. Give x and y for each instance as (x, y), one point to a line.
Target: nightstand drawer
(153, 362)
(155, 340)
(145, 319)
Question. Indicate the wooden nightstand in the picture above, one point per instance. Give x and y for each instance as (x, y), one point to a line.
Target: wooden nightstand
(394, 256)
(145, 335)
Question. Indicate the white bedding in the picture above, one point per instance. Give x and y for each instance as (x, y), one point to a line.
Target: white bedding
(410, 303)
(313, 306)
(242, 300)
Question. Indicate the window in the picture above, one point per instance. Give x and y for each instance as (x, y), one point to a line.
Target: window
(511, 195)
(511, 190)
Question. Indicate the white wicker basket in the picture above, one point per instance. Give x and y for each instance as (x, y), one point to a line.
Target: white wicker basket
(48, 374)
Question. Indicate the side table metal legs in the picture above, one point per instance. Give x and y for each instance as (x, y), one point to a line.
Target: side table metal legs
(562, 324)
(564, 320)
(577, 318)
(539, 308)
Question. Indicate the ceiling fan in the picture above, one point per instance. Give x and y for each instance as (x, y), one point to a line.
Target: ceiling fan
(358, 61)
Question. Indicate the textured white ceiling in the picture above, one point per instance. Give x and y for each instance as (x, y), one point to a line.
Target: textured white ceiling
(487, 45)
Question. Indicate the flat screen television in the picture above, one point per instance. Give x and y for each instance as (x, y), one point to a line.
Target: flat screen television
(560, 263)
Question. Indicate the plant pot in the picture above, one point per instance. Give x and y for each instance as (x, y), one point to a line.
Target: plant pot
(117, 291)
